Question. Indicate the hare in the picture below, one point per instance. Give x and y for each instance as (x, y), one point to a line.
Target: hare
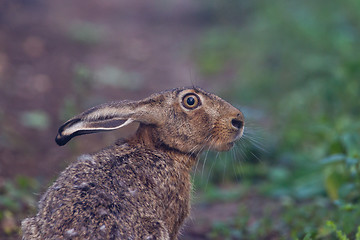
(140, 187)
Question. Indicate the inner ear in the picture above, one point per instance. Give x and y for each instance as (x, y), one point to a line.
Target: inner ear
(106, 124)
(128, 130)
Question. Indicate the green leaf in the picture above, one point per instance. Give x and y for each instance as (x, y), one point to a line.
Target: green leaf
(351, 161)
(358, 233)
(351, 142)
(339, 233)
(335, 158)
(333, 181)
(308, 236)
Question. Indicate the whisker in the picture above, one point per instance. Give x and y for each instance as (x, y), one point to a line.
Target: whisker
(256, 143)
(240, 148)
(249, 147)
(192, 151)
(212, 166)
(259, 159)
(239, 166)
(207, 140)
(233, 159)
(254, 138)
(207, 152)
(224, 170)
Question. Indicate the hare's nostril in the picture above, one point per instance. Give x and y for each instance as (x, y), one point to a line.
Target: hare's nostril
(237, 123)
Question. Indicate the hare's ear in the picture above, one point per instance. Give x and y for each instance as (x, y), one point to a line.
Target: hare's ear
(105, 117)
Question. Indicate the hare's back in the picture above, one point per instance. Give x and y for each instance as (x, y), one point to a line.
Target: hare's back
(110, 194)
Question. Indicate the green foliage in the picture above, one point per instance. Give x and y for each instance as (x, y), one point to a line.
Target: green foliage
(296, 62)
(339, 233)
(292, 219)
(16, 199)
(18, 194)
(245, 227)
(214, 193)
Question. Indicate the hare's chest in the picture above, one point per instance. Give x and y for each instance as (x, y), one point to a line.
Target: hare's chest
(177, 204)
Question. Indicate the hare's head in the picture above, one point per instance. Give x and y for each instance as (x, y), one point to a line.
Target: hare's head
(187, 120)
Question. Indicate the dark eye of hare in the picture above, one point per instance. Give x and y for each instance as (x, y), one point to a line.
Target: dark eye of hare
(191, 101)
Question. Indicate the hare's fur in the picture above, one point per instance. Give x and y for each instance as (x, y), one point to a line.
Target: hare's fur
(140, 187)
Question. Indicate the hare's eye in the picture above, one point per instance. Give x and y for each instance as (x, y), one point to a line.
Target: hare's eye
(190, 101)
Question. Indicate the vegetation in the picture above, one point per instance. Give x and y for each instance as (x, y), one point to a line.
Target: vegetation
(296, 70)
(16, 199)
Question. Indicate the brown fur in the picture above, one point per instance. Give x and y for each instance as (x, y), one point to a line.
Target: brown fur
(140, 187)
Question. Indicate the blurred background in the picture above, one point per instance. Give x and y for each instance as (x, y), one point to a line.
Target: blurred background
(293, 68)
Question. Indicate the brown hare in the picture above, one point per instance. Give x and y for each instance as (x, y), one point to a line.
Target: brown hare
(140, 187)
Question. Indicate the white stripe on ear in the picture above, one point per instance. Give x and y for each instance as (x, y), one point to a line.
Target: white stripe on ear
(124, 124)
(83, 126)
(75, 127)
(79, 128)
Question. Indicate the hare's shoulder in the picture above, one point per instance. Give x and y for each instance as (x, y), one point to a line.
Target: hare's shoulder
(113, 176)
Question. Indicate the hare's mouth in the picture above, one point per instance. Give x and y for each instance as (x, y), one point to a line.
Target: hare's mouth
(229, 145)
(239, 134)
(223, 147)
(226, 141)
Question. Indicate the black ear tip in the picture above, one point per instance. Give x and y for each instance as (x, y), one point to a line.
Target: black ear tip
(62, 140)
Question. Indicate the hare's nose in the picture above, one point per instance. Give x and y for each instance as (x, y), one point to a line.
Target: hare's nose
(237, 123)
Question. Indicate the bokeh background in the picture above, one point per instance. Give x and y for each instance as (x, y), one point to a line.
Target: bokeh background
(293, 68)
